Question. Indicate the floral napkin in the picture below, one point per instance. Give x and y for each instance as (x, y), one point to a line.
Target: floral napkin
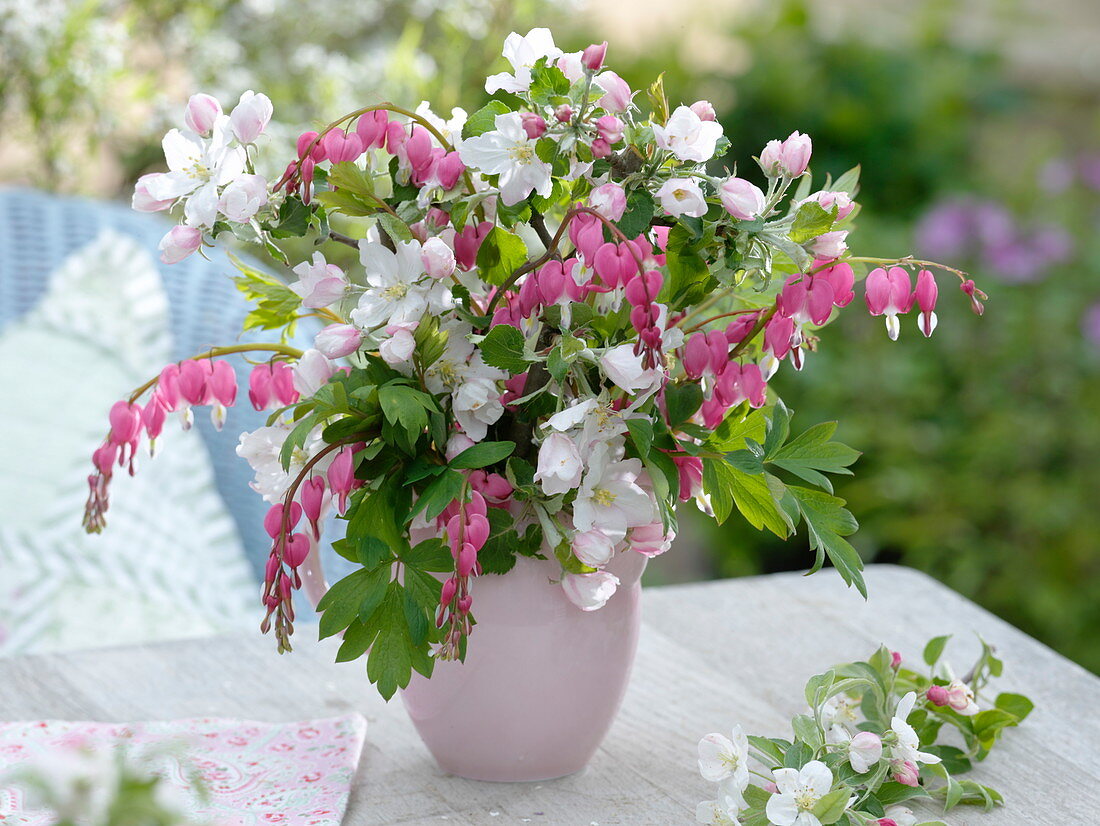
(295, 774)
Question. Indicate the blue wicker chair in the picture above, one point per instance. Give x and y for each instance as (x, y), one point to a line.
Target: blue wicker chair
(38, 231)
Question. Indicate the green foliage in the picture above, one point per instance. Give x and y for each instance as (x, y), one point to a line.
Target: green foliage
(275, 306)
(501, 254)
(504, 347)
(859, 794)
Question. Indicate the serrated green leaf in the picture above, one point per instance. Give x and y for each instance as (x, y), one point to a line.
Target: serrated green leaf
(389, 665)
(828, 522)
(810, 221)
(429, 555)
(813, 453)
(501, 254)
(484, 119)
(340, 604)
(639, 213)
(443, 490)
(503, 347)
(293, 220)
(394, 227)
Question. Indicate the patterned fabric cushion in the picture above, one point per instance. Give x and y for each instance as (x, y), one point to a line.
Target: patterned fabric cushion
(170, 564)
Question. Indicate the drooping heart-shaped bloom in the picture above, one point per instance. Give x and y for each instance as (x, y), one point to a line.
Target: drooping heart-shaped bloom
(468, 242)
(840, 278)
(687, 136)
(371, 128)
(342, 148)
(615, 264)
(925, 295)
(888, 293)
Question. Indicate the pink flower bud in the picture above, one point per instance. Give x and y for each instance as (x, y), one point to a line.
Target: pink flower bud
(448, 170)
(609, 200)
(202, 112)
(438, 258)
(742, 199)
(477, 529)
(179, 243)
(905, 772)
(341, 477)
(533, 124)
(593, 56)
(937, 695)
(696, 358)
(830, 245)
(338, 340)
(296, 550)
(704, 109)
(925, 295)
(795, 154)
(840, 278)
(886, 821)
(564, 113)
(194, 382)
(466, 560)
(395, 137)
(145, 198)
(250, 116)
(610, 128)
(418, 148)
(259, 386)
(450, 587)
(593, 548)
(125, 419)
(600, 148)
(551, 282)
(464, 604)
(617, 94)
(895, 659)
(586, 233)
(153, 416)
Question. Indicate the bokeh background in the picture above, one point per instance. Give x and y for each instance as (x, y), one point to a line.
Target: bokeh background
(979, 133)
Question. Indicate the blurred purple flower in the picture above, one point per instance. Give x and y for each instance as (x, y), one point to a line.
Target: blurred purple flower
(1090, 324)
(988, 233)
(1089, 166)
(1056, 176)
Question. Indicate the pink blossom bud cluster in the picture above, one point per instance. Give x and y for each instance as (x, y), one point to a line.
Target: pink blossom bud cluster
(421, 162)
(180, 386)
(467, 528)
(889, 293)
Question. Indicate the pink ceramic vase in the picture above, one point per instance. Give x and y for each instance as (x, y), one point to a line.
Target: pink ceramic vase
(542, 680)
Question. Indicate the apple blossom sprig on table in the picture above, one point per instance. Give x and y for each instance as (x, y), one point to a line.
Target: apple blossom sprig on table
(561, 325)
(869, 744)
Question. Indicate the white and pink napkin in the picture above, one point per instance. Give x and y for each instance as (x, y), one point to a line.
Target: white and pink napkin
(294, 774)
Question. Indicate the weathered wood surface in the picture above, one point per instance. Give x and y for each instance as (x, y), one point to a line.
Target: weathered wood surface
(711, 655)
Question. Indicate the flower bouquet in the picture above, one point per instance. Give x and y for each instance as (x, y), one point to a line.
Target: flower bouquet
(560, 324)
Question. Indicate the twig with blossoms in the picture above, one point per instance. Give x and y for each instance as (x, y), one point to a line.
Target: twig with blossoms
(869, 745)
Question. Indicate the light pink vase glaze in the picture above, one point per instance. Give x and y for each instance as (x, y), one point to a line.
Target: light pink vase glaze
(542, 680)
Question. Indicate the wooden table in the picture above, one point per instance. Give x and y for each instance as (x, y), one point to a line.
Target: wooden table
(711, 655)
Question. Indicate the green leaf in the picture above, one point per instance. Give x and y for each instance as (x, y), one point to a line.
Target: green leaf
(484, 119)
(429, 555)
(638, 215)
(641, 433)
(813, 453)
(1017, 705)
(443, 490)
(373, 525)
(687, 268)
(501, 254)
(779, 428)
(734, 430)
(848, 182)
(728, 486)
(767, 747)
(503, 347)
(275, 305)
(892, 792)
(807, 730)
(340, 604)
(350, 177)
(832, 806)
(682, 400)
(934, 649)
(810, 221)
(389, 665)
(293, 219)
(394, 227)
(828, 522)
(483, 454)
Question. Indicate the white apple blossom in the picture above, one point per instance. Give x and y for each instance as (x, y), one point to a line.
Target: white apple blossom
(687, 136)
(476, 404)
(261, 448)
(438, 258)
(451, 129)
(594, 548)
(624, 367)
(590, 592)
(609, 497)
(243, 198)
(398, 347)
(560, 465)
(908, 744)
(197, 168)
(394, 294)
(682, 196)
(312, 372)
(799, 791)
(509, 153)
(864, 751)
(721, 812)
(522, 51)
(320, 284)
(726, 760)
(451, 368)
(901, 815)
